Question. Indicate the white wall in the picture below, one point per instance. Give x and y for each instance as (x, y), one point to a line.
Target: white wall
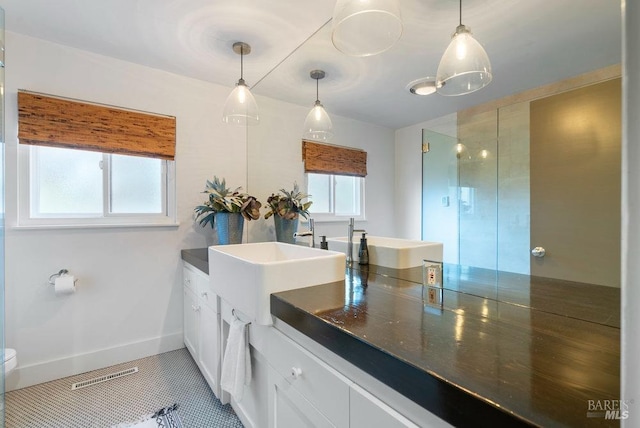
(275, 162)
(129, 299)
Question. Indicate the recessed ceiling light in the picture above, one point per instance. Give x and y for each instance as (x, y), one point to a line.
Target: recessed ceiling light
(424, 86)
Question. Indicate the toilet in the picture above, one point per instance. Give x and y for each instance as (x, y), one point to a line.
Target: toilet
(10, 360)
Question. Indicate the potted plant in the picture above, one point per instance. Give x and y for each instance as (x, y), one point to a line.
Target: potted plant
(286, 207)
(227, 210)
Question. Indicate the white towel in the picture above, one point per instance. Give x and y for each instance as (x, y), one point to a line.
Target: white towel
(236, 363)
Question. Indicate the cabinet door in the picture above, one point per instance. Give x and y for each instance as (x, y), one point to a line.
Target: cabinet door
(323, 387)
(287, 408)
(210, 347)
(367, 411)
(191, 322)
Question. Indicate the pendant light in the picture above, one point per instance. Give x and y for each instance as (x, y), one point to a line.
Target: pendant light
(317, 125)
(241, 108)
(365, 27)
(465, 66)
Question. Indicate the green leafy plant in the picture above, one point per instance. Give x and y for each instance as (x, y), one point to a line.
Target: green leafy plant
(222, 199)
(288, 205)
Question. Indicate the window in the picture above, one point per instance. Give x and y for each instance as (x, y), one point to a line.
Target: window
(336, 197)
(69, 187)
(83, 164)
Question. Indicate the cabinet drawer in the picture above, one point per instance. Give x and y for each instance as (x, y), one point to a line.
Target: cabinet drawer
(207, 297)
(198, 282)
(189, 278)
(326, 389)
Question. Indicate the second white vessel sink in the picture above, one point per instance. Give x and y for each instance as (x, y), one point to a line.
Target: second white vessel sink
(245, 275)
(394, 253)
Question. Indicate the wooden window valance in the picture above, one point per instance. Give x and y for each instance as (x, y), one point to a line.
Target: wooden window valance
(327, 159)
(46, 120)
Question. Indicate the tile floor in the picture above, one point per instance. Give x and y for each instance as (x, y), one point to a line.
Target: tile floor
(162, 380)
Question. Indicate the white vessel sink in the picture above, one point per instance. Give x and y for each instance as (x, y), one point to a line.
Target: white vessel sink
(245, 275)
(391, 252)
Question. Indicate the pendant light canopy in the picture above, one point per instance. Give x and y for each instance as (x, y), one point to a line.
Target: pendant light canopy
(241, 107)
(365, 27)
(465, 66)
(423, 86)
(317, 125)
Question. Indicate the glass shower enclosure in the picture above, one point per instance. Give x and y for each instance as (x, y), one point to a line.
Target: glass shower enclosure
(505, 182)
(480, 212)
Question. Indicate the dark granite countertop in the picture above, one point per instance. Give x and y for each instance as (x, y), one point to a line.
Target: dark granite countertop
(198, 258)
(506, 350)
(479, 361)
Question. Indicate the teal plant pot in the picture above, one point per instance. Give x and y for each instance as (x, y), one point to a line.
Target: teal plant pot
(285, 229)
(229, 228)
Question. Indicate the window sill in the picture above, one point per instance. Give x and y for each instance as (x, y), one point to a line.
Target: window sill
(94, 226)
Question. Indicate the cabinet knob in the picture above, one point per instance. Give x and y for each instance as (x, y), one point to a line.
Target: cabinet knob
(196, 308)
(187, 281)
(204, 294)
(296, 372)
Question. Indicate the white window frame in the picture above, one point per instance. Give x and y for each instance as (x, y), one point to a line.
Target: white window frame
(332, 217)
(26, 158)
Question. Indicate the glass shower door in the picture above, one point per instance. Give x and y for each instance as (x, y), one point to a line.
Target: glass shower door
(459, 198)
(475, 190)
(440, 192)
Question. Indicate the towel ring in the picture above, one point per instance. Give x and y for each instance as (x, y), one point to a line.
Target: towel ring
(233, 314)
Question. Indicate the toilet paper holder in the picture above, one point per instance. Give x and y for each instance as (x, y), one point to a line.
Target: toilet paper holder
(52, 278)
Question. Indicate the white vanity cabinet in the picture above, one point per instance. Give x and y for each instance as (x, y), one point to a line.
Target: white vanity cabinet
(303, 390)
(289, 408)
(367, 411)
(202, 325)
(191, 314)
(310, 386)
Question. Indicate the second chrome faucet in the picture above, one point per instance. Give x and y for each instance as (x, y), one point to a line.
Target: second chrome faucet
(350, 240)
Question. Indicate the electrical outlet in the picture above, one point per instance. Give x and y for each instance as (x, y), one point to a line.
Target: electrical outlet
(432, 296)
(432, 275)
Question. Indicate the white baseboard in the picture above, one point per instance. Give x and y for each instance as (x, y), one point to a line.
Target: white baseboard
(33, 374)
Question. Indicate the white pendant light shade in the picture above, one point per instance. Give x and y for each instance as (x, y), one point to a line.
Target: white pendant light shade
(241, 107)
(366, 27)
(317, 125)
(464, 67)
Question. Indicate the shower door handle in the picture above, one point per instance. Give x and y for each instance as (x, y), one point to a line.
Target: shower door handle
(538, 252)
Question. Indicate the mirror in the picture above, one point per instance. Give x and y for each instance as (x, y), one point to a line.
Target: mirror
(353, 85)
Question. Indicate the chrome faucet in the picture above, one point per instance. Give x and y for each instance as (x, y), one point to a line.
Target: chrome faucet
(311, 232)
(350, 241)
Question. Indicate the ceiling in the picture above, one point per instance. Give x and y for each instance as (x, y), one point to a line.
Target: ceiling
(530, 43)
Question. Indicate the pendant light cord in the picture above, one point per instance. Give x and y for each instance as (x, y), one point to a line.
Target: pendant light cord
(242, 62)
(317, 93)
(460, 12)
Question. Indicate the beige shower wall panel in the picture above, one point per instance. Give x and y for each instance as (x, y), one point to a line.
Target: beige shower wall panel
(575, 184)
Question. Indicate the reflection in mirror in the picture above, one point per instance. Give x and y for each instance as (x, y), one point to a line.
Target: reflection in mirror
(546, 173)
(483, 197)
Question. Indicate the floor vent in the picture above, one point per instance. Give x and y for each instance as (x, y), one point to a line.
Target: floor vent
(104, 378)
